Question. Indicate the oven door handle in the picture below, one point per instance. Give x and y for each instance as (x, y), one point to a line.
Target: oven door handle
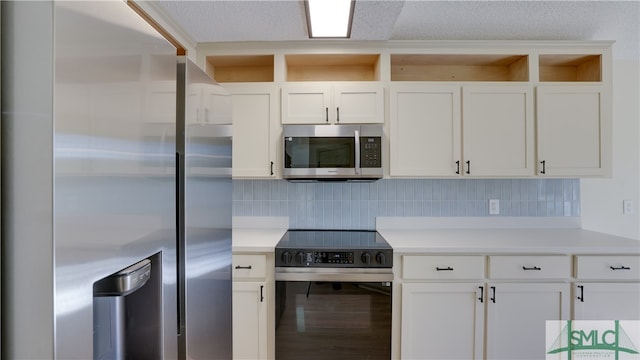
(357, 145)
(333, 274)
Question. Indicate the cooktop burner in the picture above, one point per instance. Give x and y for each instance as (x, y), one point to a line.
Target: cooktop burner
(333, 248)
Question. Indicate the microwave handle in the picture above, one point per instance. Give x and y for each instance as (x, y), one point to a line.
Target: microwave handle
(357, 136)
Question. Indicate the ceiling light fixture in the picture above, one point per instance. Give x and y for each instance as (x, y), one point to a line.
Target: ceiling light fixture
(329, 18)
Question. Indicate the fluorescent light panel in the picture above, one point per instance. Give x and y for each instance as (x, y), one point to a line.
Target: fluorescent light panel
(329, 18)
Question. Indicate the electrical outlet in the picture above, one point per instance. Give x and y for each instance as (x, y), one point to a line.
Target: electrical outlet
(494, 207)
(627, 207)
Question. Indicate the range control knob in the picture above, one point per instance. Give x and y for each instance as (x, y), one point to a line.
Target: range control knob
(381, 258)
(366, 258)
(300, 257)
(286, 258)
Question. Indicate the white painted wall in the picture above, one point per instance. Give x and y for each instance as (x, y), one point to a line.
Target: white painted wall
(602, 198)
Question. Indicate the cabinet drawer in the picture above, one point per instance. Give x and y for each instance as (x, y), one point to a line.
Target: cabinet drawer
(529, 267)
(624, 267)
(249, 266)
(433, 267)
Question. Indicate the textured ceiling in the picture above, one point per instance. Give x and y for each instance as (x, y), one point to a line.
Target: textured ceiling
(284, 20)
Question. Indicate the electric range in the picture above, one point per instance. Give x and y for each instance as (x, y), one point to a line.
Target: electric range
(333, 249)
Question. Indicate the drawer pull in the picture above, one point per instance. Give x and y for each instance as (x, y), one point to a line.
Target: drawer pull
(238, 267)
(620, 268)
(261, 293)
(448, 268)
(581, 297)
(493, 294)
(531, 268)
(481, 298)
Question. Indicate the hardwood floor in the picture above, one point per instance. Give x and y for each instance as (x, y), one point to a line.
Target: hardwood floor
(338, 321)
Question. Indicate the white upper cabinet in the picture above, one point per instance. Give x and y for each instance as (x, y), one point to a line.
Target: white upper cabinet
(332, 103)
(436, 132)
(255, 130)
(573, 107)
(570, 130)
(497, 123)
(425, 126)
(450, 109)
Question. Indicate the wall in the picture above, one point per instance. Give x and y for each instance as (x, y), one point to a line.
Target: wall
(338, 205)
(602, 198)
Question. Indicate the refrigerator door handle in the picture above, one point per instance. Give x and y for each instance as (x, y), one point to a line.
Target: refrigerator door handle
(180, 247)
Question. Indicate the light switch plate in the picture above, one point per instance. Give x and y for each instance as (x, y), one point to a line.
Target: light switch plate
(494, 207)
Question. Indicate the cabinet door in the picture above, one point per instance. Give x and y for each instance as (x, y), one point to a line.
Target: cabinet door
(442, 321)
(571, 130)
(256, 130)
(216, 105)
(249, 320)
(306, 104)
(424, 130)
(606, 301)
(358, 104)
(497, 124)
(516, 317)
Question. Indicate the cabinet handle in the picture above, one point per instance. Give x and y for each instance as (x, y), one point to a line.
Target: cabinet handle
(326, 114)
(338, 114)
(272, 168)
(493, 294)
(238, 267)
(581, 297)
(448, 268)
(544, 167)
(468, 166)
(620, 268)
(531, 268)
(481, 298)
(261, 293)
(458, 167)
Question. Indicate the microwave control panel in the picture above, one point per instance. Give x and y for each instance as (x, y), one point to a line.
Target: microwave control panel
(371, 152)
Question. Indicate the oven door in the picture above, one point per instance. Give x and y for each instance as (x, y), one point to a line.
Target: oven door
(324, 318)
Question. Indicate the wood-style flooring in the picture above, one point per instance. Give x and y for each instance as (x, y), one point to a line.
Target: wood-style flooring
(338, 321)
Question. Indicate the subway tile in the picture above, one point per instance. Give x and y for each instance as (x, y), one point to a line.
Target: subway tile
(356, 205)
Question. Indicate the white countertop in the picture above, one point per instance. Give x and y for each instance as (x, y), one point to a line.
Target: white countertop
(262, 235)
(261, 240)
(508, 241)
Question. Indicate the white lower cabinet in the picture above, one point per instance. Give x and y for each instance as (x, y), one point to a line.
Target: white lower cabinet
(607, 288)
(516, 318)
(606, 301)
(451, 310)
(251, 307)
(442, 321)
(249, 320)
(442, 307)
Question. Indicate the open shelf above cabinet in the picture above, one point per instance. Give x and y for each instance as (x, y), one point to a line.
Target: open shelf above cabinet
(241, 68)
(459, 67)
(332, 67)
(577, 67)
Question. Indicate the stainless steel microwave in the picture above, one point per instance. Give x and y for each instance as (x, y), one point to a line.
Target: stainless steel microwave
(332, 152)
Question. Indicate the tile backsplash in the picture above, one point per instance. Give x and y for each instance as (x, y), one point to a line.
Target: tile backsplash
(344, 205)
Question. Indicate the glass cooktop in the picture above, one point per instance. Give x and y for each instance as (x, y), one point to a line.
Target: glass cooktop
(333, 239)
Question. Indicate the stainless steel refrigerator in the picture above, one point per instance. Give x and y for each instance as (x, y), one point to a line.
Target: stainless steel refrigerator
(93, 174)
(204, 145)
